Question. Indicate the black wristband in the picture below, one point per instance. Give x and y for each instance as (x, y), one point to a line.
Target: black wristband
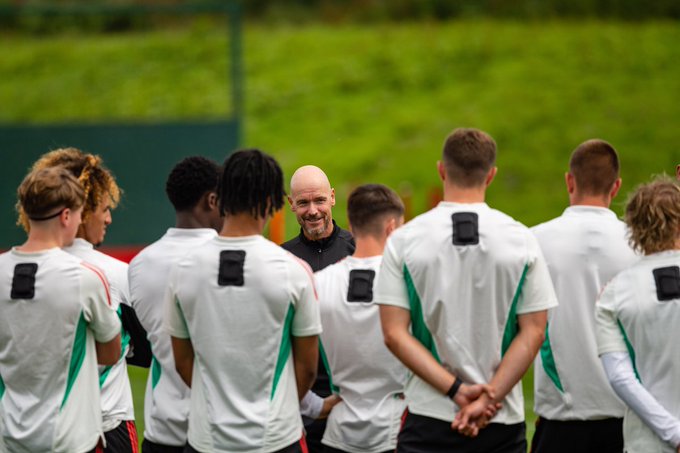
(454, 388)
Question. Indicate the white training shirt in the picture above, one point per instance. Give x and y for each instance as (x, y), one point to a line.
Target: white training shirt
(584, 248)
(166, 401)
(116, 393)
(48, 360)
(464, 299)
(369, 379)
(631, 318)
(244, 394)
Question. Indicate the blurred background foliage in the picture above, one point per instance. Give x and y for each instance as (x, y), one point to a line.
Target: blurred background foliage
(368, 89)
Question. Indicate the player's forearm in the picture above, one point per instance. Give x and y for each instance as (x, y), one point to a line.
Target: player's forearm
(417, 358)
(619, 370)
(520, 355)
(305, 360)
(183, 353)
(108, 353)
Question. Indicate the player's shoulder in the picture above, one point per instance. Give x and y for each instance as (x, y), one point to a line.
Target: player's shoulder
(331, 271)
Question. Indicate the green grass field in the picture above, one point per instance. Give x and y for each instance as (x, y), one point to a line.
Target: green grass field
(373, 104)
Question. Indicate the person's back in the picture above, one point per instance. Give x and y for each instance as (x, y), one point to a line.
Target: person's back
(585, 248)
(243, 317)
(53, 307)
(241, 335)
(467, 296)
(116, 393)
(368, 378)
(464, 291)
(637, 316)
(190, 187)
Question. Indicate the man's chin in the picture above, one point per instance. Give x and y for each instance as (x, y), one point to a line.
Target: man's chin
(315, 233)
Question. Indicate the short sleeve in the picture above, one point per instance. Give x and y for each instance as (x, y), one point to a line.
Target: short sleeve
(607, 331)
(307, 319)
(173, 321)
(537, 292)
(95, 298)
(390, 288)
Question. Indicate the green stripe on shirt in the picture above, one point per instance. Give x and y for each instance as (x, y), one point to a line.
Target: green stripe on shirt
(511, 325)
(284, 350)
(418, 326)
(77, 356)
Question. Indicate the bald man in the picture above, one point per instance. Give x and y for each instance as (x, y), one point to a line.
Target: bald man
(321, 242)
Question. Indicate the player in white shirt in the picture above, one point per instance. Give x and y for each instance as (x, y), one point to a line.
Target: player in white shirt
(244, 321)
(191, 188)
(464, 293)
(101, 196)
(56, 323)
(368, 378)
(585, 247)
(637, 318)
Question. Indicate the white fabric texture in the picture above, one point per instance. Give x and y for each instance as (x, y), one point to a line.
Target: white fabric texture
(244, 394)
(584, 248)
(48, 359)
(469, 297)
(166, 400)
(116, 393)
(369, 378)
(631, 319)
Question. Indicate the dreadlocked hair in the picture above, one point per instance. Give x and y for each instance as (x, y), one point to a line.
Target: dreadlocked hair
(252, 182)
(95, 179)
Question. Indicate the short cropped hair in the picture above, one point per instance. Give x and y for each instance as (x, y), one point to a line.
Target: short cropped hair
(44, 192)
(252, 182)
(369, 205)
(595, 167)
(95, 179)
(653, 216)
(189, 180)
(468, 156)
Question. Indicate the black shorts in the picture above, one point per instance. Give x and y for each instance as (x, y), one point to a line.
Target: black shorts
(121, 439)
(583, 436)
(153, 447)
(328, 449)
(298, 447)
(420, 434)
(314, 433)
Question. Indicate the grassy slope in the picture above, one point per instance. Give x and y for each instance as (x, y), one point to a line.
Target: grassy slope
(374, 104)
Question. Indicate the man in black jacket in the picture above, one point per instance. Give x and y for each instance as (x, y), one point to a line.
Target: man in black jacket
(321, 242)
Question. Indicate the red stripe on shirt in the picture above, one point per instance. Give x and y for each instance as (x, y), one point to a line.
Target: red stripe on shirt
(102, 277)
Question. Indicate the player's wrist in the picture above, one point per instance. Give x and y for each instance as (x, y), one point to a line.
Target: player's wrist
(455, 388)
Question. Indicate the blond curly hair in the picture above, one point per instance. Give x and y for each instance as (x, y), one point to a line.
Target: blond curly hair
(95, 179)
(653, 216)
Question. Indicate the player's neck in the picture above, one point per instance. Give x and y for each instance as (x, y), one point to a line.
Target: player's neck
(187, 220)
(242, 224)
(39, 240)
(455, 194)
(589, 200)
(367, 246)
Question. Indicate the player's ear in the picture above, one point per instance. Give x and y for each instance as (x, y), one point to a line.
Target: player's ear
(290, 202)
(211, 200)
(441, 170)
(615, 188)
(570, 182)
(490, 176)
(390, 226)
(332, 196)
